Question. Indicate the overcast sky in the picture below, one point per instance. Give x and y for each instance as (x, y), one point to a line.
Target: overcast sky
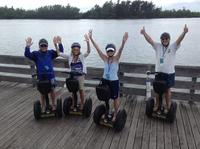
(87, 4)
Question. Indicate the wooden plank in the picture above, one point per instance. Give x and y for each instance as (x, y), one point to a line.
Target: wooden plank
(133, 91)
(146, 133)
(181, 129)
(17, 60)
(174, 135)
(131, 137)
(188, 130)
(118, 137)
(15, 79)
(160, 135)
(186, 71)
(16, 70)
(112, 138)
(153, 138)
(140, 126)
(80, 129)
(193, 124)
(130, 106)
(167, 136)
(142, 81)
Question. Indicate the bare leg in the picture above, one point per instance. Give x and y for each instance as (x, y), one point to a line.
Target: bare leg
(157, 103)
(82, 95)
(116, 107)
(168, 98)
(52, 93)
(42, 100)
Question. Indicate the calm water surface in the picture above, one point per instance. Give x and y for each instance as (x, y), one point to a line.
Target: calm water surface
(137, 50)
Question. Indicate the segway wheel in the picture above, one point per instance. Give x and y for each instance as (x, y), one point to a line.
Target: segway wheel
(37, 109)
(87, 109)
(120, 120)
(172, 112)
(98, 112)
(59, 108)
(66, 105)
(149, 107)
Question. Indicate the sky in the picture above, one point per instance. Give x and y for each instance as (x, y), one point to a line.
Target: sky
(85, 5)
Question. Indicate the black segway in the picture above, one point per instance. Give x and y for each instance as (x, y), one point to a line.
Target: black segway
(102, 116)
(44, 87)
(70, 105)
(159, 87)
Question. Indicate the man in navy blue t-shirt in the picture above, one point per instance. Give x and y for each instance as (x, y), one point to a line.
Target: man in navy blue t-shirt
(43, 59)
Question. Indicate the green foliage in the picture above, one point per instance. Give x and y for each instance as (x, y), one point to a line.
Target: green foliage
(120, 10)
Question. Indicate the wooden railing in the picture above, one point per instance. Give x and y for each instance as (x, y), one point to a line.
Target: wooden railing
(132, 76)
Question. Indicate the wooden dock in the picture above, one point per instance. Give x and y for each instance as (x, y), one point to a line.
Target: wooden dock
(19, 129)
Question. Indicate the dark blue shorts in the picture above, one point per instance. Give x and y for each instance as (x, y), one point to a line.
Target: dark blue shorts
(169, 78)
(114, 87)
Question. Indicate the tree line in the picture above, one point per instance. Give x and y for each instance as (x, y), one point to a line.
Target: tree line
(120, 10)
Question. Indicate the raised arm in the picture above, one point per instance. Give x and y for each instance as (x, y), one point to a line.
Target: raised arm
(124, 39)
(55, 41)
(59, 47)
(103, 56)
(27, 52)
(180, 38)
(88, 45)
(147, 37)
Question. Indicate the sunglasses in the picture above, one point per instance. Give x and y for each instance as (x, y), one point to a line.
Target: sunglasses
(43, 46)
(76, 49)
(165, 39)
(110, 51)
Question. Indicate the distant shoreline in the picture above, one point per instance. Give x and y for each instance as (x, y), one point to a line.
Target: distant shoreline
(109, 10)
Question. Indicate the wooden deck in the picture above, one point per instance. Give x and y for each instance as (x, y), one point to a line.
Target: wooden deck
(19, 129)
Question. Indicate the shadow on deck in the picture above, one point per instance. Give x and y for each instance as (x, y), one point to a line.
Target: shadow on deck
(19, 129)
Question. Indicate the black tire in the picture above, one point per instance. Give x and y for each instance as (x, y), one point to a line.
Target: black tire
(120, 120)
(66, 105)
(98, 112)
(149, 107)
(37, 109)
(59, 108)
(172, 112)
(87, 109)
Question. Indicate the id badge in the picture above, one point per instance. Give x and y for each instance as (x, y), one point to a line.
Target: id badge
(161, 60)
(107, 76)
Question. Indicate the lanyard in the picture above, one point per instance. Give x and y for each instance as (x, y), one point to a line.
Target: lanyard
(109, 65)
(164, 50)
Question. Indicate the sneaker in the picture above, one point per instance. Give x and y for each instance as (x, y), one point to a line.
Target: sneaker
(75, 110)
(166, 110)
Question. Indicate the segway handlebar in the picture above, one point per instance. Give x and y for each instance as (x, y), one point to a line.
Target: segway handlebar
(73, 73)
(151, 72)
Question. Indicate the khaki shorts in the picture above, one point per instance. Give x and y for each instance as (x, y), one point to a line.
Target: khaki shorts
(81, 80)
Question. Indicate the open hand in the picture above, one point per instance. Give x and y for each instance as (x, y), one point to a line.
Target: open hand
(29, 42)
(86, 38)
(59, 39)
(125, 37)
(185, 30)
(55, 41)
(143, 31)
(90, 34)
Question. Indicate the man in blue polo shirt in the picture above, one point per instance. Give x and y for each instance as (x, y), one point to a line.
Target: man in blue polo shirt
(43, 59)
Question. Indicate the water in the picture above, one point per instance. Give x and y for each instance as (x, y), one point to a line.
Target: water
(137, 50)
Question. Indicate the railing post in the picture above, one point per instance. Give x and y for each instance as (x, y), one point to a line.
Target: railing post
(34, 77)
(121, 75)
(192, 90)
